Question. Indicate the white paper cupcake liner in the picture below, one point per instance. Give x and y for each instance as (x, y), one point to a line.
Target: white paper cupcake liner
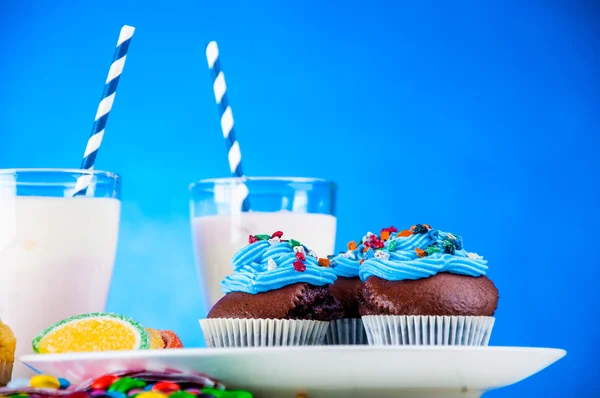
(428, 330)
(230, 332)
(349, 331)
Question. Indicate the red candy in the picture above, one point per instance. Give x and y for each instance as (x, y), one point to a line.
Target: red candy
(278, 234)
(102, 383)
(299, 266)
(300, 256)
(171, 339)
(79, 394)
(252, 239)
(165, 387)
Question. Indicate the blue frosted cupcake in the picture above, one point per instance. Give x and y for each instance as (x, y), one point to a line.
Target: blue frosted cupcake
(278, 295)
(423, 288)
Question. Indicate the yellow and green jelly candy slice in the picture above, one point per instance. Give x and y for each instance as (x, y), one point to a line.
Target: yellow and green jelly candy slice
(97, 331)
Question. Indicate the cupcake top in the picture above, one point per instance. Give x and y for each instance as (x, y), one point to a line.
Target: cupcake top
(270, 262)
(420, 252)
(347, 264)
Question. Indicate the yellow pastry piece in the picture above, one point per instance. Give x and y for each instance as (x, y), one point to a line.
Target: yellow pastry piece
(156, 340)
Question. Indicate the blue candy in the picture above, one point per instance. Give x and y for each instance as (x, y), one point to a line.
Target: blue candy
(64, 383)
(116, 394)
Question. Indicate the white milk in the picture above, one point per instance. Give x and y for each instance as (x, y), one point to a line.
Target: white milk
(56, 260)
(218, 238)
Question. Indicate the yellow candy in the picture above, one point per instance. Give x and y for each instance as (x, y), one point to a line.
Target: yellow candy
(156, 340)
(44, 381)
(150, 394)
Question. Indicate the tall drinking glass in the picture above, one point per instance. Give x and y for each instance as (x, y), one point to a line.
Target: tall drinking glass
(57, 250)
(303, 208)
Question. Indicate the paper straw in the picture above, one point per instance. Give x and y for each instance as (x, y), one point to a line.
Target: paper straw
(227, 125)
(106, 103)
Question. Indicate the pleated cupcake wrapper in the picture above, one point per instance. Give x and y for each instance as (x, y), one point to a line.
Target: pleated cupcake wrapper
(428, 330)
(229, 332)
(6, 369)
(348, 331)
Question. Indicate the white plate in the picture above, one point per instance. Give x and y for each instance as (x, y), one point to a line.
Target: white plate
(325, 371)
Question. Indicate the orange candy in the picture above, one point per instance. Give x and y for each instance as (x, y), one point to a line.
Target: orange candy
(171, 339)
(352, 245)
(420, 253)
(324, 262)
(405, 233)
(384, 235)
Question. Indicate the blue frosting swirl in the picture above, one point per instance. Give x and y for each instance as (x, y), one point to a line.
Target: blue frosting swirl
(404, 263)
(252, 274)
(347, 264)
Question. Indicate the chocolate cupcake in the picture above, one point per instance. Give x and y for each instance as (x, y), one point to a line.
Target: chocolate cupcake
(278, 295)
(422, 288)
(347, 289)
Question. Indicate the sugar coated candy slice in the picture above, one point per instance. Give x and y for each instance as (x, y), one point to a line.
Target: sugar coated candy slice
(156, 340)
(171, 339)
(97, 331)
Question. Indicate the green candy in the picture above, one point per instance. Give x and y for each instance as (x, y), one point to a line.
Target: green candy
(125, 384)
(262, 237)
(432, 249)
(181, 394)
(226, 394)
(392, 246)
(294, 243)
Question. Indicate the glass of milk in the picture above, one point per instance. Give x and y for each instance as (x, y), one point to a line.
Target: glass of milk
(303, 208)
(57, 251)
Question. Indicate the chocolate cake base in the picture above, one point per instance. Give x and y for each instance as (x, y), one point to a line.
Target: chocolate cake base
(441, 294)
(348, 291)
(297, 301)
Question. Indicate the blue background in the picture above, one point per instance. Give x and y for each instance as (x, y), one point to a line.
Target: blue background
(480, 119)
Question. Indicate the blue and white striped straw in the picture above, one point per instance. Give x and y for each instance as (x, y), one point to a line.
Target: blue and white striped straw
(106, 103)
(227, 125)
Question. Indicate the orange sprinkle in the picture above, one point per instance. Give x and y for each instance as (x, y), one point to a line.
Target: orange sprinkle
(352, 245)
(365, 249)
(385, 235)
(361, 261)
(420, 253)
(324, 262)
(406, 232)
(427, 226)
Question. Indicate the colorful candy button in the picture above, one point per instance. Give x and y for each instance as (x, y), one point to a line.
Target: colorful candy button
(116, 394)
(97, 393)
(166, 387)
(102, 383)
(125, 384)
(44, 381)
(64, 383)
(79, 394)
(182, 394)
(151, 394)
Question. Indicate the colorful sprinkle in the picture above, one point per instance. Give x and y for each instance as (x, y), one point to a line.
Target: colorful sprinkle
(381, 255)
(277, 234)
(262, 237)
(431, 249)
(352, 245)
(271, 264)
(324, 262)
(448, 246)
(252, 239)
(392, 246)
(385, 235)
(420, 228)
(299, 249)
(44, 381)
(300, 256)
(313, 253)
(420, 252)
(274, 241)
(404, 233)
(474, 256)
(294, 243)
(299, 266)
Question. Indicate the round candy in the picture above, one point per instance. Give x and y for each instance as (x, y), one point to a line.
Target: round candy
(116, 394)
(182, 394)
(151, 394)
(64, 383)
(97, 393)
(166, 387)
(44, 381)
(125, 384)
(148, 387)
(18, 383)
(79, 394)
(102, 383)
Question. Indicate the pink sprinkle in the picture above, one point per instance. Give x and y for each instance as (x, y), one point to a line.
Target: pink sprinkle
(299, 266)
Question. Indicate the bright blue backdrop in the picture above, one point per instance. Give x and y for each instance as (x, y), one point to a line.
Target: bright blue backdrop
(477, 118)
